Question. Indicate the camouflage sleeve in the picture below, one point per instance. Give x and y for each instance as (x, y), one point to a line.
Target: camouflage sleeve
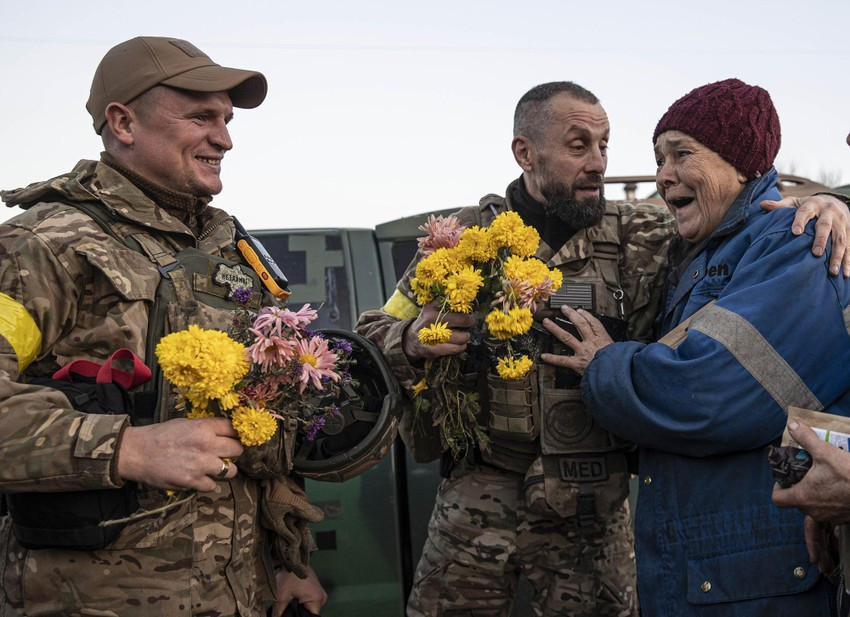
(386, 326)
(645, 232)
(46, 445)
(386, 330)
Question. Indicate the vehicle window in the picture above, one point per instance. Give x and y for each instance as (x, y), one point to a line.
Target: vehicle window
(315, 265)
(403, 252)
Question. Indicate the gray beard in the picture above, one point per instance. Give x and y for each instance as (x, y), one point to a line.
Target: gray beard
(561, 204)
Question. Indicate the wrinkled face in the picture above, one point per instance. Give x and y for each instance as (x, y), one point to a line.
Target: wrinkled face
(571, 159)
(696, 183)
(180, 141)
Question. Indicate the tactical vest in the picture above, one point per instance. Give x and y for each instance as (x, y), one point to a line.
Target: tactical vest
(539, 425)
(195, 288)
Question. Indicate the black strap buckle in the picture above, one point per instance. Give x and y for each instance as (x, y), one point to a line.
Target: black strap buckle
(585, 505)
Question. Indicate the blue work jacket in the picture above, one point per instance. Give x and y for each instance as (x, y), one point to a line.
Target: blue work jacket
(709, 541)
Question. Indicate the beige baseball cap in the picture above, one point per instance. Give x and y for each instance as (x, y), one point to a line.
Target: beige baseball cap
(135, 66)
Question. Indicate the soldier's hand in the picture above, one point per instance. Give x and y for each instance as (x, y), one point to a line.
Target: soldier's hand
(179, 453)
(832, 216)
(824, 492)
(457, 323)
(308, 591)
(593, 335)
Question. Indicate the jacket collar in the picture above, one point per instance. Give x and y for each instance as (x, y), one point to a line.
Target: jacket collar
(748, 200)
(95, 181)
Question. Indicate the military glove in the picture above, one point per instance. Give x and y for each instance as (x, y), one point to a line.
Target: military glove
(286, 511)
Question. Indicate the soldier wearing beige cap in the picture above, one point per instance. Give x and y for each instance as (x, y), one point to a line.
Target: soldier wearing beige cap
(112, 255)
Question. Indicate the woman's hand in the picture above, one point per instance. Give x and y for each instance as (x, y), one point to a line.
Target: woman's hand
(593, 338)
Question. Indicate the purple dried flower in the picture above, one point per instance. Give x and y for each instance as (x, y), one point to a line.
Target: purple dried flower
(242, 295)
(314, 429)
(343, 345)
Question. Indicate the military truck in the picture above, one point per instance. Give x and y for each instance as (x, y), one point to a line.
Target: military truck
(375, 524)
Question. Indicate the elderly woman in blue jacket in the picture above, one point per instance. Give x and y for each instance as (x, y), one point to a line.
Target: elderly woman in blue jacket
(754, 324)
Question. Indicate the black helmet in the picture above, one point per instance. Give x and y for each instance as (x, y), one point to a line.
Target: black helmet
(368, 418)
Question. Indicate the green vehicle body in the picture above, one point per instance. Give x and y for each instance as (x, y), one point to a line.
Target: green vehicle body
(376, 523)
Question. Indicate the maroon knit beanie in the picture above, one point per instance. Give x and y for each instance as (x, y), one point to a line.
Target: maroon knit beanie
(736, 120)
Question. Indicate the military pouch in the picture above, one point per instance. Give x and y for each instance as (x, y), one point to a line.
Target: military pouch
(514, 407)
(581, 470)
(591, 487)
(73, 519)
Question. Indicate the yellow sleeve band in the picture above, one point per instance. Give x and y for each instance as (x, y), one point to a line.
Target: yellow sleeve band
(18, 327)
(400, 306)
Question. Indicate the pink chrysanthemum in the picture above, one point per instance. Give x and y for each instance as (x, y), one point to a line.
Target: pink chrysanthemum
(262, 391)
(269, 351)
(316, 360)
(442, 233)
(271, 319)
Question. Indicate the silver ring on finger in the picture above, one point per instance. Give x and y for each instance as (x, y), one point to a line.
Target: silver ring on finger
(225, 467)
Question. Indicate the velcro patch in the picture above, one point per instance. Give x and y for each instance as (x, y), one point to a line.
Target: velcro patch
(576, 295)
(583, 469)
(187, 48)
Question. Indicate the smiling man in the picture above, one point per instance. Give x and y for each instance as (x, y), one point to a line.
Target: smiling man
(113, 255)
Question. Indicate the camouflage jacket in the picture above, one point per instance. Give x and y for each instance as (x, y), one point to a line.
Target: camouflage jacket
(69, 290)
(644, 233)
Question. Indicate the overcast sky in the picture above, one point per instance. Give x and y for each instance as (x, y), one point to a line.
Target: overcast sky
(381, 109)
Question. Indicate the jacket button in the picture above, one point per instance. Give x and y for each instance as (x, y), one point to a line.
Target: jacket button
(799, 573)
(647, 480)
(706, 586)
(696, 273)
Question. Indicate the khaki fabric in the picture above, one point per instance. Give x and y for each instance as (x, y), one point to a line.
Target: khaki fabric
(90, 295)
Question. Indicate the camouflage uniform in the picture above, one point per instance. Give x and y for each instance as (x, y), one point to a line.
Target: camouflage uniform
(485, 528)
(69, 290)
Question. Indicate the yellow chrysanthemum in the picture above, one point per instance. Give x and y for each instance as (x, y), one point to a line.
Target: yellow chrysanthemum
(255, 426)
(513, 368)
(525, 242)
(557, 278)
(435, 334)
(229, 400)
(207, 360)
(199, 412)
(199, 403)
(462, 288)
(423, 292)
(431, 270)
(508, 230)
(531, 270)
(450, 260)
(507, 325)
(475, 245)
(419, 387)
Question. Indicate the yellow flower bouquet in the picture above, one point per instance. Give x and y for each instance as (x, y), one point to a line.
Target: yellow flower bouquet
(490, 272)
(267, 367)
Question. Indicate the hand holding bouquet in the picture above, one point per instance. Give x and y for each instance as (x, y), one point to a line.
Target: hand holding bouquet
(490, 273)
(267, 367)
